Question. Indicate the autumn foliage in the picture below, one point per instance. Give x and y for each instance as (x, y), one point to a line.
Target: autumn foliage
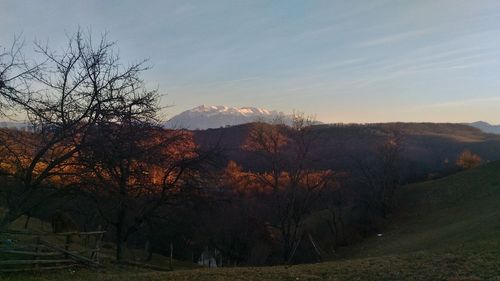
(287, 183)
(468, 160)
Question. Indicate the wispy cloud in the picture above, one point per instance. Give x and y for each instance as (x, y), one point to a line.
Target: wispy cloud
(433, 59)
(218, 83)
(393, 38)
(462, 103)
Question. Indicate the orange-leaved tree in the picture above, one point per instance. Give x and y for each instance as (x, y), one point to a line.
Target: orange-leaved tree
(468, 160)
(131, 168)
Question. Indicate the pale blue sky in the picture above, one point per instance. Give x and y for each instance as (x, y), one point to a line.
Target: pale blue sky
(345, 61)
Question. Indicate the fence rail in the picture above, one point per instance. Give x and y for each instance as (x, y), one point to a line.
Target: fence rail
(28, 251)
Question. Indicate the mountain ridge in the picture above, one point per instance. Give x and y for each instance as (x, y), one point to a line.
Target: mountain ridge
(216, 116)
(486, 127)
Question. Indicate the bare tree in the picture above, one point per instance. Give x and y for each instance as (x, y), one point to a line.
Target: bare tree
(75, 88)
(14, 76)
(132, 168)
(130, 171)
(381, 173)
(294, 187)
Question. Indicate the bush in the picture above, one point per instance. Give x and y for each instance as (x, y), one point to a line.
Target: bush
(468, 160)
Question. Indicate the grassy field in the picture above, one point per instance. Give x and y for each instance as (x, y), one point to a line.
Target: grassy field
(448, 229)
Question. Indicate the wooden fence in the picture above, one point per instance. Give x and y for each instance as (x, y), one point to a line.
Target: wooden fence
(24, 251)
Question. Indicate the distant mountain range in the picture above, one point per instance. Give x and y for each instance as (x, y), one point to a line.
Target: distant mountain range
(15, 125)
(217, 116)
(486, 127)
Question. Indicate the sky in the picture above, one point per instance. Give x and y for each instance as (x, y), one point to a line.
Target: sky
(343, 61)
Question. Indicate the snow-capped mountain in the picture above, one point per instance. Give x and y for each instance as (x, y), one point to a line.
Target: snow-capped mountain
(216, 116)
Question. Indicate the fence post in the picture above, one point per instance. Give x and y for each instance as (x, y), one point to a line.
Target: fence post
(66, 245)
(171, 255)
(97, 249)
(36, 240)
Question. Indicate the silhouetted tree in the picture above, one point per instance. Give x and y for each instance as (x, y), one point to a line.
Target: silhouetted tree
(75, 88)
(381, 174)
(132, 170)
(293, 187)
(14, 77)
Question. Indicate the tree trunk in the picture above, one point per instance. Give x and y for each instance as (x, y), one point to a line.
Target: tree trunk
(26, 223)
(286, 251)
(119, 250)
(149, 251)
(287, 248)
(120, 239)
(121, 236)
(333, 225)
(342, 227)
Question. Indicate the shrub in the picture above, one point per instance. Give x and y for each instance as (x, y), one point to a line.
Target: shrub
(468, 160)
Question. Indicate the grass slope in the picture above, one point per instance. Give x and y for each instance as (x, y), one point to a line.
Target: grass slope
(448, 229)
(461, 212)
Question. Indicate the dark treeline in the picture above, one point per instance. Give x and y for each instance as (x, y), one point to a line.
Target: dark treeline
(96, 153)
